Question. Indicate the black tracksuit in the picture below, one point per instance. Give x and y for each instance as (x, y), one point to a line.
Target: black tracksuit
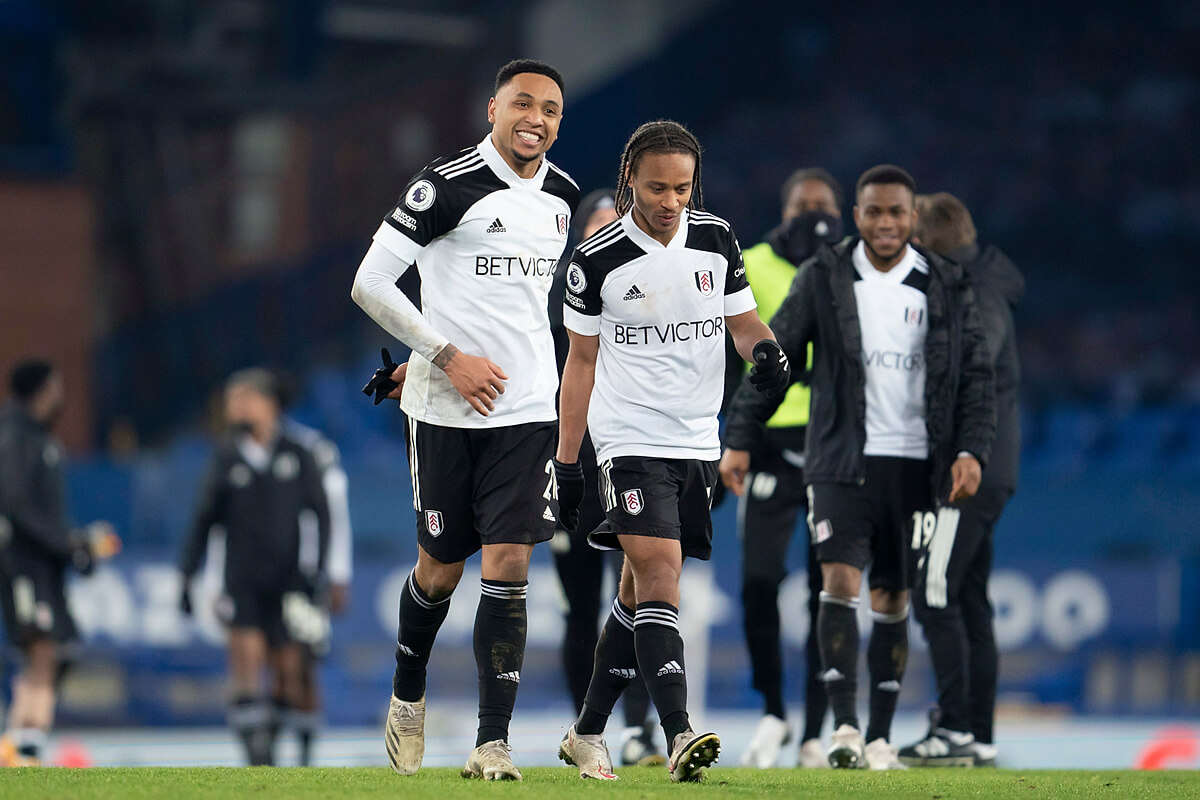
(820, 308)
(958, 624)
(259, 510)
(37, 543)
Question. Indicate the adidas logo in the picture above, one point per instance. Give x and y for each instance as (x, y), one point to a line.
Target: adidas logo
(670, 668)
(627, 674)
(634, 293)
(888, 686)
(515, 677)
(548, 514)
(408, 651)
(496, 227)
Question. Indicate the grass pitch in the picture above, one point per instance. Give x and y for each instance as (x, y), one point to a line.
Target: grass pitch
(223, 783)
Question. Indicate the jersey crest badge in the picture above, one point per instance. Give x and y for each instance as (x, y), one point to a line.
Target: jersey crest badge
(286, 467)
(632, 501)
(562, 224)
(433, 522)
(420, 196)
(704, 282)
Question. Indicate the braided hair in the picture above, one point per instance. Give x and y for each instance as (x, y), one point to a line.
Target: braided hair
(660, 136)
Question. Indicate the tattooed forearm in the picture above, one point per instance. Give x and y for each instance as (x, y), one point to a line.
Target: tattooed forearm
(444, 355)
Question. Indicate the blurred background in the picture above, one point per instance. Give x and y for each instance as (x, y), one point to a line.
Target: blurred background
(186, 188)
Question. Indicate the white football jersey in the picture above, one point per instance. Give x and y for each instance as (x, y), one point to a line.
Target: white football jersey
(894, 317)
(660, 314)
(485, 242)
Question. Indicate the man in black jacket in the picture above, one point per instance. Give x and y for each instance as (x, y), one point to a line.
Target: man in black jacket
(950, 593)
(901, 421)
(37, 545)
(260, 480)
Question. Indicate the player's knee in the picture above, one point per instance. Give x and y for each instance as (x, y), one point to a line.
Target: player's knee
(436, 579)
(506, 562)
(841, 580)
(889, 601)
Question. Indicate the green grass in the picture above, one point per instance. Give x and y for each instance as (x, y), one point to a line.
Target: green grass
(128, 783)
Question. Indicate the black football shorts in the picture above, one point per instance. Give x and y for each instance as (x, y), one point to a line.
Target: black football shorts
(871, 524)
(667, 498)
(477, 486)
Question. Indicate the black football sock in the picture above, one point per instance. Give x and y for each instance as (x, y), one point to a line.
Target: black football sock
(660, 658)
(636, 703)
(887, 655)
(815, 701)
(250, 718)
(500, 627)
(615, 665)
(837, 632)
(306, 725)
(760, 617)
(420, 619)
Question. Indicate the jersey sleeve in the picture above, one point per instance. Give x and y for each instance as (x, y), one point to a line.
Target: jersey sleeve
(738, 296)
(581, 309)
(424, 212)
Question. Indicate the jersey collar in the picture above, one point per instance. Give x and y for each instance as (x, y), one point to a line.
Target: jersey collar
(650, 244)
(492, 157)
(866, 270)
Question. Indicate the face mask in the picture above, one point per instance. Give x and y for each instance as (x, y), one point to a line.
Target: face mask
(803, 234)
(241, 427)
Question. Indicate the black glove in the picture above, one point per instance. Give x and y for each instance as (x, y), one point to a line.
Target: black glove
(569, 479)
(185, 599)
(771, 373)
(381, 383)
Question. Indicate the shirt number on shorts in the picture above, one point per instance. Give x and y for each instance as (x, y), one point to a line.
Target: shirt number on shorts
(924, 524)
(551, 492)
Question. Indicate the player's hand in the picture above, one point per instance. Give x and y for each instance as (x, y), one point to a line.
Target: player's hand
(966, 474)
(569, 480)
(339, 598)
(398, 376)
(733, 468)
(383, 383)
(477, 379)
(185, 597)
(771, 373)
(102, 540)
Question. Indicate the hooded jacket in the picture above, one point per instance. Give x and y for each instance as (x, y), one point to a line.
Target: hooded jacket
(820, 308)
(999, 287)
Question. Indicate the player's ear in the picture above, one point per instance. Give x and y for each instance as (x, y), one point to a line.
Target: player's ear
(492, 111)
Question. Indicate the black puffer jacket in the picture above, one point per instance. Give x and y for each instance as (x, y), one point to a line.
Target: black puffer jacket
(820, 307)
(999, 287)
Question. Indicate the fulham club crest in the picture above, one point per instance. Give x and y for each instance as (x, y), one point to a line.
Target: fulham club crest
(562, 224)
(433, 522)
(704, 282)
(632, 501)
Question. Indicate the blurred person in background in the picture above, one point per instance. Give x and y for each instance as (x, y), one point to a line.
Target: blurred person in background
(261, 481)
(773, 471)
(305, 718)
(37, 545)
(580, 566)
(484, 228)
(901, 421)
(950, 593)
(649, 298)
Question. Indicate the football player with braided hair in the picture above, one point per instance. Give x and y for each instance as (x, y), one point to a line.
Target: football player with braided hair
(649, 299)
